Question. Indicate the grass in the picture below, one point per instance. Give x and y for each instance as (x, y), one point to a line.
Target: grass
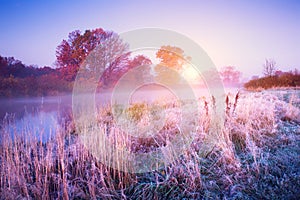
(252, 154)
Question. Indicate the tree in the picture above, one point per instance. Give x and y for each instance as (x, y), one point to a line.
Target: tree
(139, 70)
(111, 59)
(145, 72)
(139, 60)
(269, 68)
(230, 76)
(72, 52)
(170, 57)
(107, 54)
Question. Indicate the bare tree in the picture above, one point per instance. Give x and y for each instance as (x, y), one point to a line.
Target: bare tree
(269, 67)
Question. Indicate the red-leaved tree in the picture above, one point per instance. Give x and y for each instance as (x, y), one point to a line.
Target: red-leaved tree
(109, 56)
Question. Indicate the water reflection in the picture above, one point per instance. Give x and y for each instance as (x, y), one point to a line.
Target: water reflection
(34, 118)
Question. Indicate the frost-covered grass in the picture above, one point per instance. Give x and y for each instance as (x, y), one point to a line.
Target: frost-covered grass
(251, 154)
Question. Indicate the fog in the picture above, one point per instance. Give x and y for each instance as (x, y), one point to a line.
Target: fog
(41, 116)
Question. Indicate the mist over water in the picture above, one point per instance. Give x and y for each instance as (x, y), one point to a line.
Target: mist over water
(34, 117)
(41, 116)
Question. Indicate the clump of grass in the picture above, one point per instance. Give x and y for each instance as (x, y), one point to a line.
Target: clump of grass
(136, 111)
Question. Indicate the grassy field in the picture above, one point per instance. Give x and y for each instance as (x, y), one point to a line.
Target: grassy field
(254, 153)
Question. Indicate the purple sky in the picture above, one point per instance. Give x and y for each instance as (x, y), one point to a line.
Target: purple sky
(238, 33)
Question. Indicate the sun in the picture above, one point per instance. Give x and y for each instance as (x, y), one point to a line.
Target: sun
(190, 74)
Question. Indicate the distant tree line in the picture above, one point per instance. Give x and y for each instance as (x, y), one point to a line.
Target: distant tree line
(17, 79)
(274, 78)
(105, 53)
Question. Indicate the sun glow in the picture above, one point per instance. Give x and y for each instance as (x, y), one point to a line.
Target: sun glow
(190, 74)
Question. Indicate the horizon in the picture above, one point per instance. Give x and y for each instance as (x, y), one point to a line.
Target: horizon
(240, 34)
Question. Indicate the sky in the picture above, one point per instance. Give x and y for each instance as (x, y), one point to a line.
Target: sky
(236, 33)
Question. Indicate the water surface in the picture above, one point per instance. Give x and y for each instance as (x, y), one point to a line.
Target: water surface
(41, 116)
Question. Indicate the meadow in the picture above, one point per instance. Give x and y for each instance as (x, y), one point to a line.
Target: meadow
(253, 153)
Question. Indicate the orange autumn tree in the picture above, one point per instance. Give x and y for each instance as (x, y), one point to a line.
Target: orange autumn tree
(173, 58)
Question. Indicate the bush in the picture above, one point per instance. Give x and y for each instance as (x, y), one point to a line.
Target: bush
(284, 80)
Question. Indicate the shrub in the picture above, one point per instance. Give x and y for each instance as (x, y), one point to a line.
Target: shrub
(284, 80)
